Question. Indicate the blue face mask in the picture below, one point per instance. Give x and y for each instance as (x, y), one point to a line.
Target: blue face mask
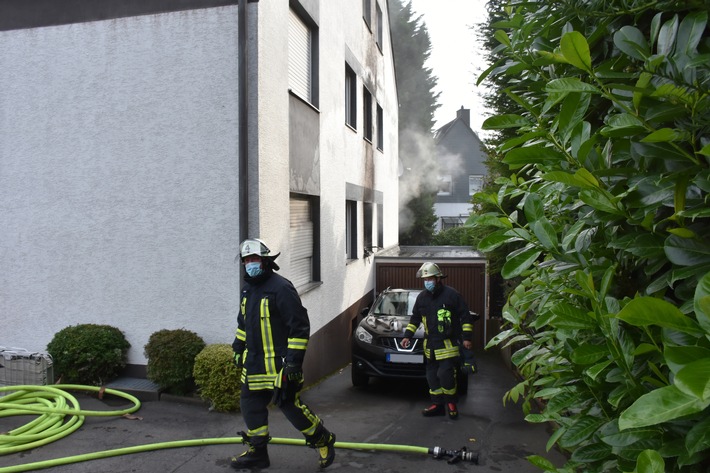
(429, 285)
(253, 269)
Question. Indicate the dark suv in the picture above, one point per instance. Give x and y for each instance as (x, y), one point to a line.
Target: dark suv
(377, 341)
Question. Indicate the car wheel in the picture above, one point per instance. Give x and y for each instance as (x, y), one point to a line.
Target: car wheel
(359, 379)
(462, 382)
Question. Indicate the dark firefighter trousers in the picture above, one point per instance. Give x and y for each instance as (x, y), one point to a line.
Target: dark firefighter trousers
(441, 377)
(255, 410)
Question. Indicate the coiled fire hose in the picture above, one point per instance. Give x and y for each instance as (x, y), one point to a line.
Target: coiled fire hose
(52, 404)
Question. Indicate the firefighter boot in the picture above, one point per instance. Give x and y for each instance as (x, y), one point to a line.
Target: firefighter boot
(256, 455)
(434, 410)
(324, 441)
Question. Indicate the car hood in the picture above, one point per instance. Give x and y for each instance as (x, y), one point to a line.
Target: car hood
(389, 325)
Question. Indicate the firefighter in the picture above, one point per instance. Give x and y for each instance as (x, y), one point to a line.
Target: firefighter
(272, 335)
(447, 322)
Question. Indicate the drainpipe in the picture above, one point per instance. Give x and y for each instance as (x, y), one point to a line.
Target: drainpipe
(242, 79)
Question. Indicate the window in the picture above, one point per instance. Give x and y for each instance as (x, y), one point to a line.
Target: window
(367, 216)
(475, 184)
(444, 185)
(380, 130)
(350, 97)
(367, 114)
(351, 229)
(302, 47)
(380, 27)
(367, 12)
(304, 236)
(380, 226)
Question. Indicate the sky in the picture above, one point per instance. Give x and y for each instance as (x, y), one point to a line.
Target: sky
(456, 59)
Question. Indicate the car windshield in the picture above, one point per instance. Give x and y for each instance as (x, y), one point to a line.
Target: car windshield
(398, 303)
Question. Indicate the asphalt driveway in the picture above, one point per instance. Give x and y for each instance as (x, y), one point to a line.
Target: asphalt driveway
(385, 412)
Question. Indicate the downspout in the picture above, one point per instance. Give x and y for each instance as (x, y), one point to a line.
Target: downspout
(243, 170)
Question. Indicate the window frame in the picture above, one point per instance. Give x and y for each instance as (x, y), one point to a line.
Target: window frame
(304, 259)
(380, 128)
(366, 114)
(351, 230)
(350, 97)
(473, 177)
(303, 56)
(444, 179)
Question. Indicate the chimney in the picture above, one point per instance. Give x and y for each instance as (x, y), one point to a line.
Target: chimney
(465, 115)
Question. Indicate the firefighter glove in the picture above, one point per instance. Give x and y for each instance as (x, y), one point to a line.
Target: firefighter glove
(238, 360)
(288, 384)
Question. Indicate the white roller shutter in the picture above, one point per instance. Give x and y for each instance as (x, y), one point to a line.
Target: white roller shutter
(301, 234)
(299, 56)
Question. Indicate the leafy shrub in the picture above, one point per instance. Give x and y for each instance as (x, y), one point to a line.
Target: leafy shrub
(88, 353)
(217, 378)
(605, 206)
(171, 357)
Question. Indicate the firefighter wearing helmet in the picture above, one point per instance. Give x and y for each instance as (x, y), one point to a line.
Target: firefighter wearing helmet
(272, 335)
(447, 323)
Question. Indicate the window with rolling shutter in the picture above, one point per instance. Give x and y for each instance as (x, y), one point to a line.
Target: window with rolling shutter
(302, 235)
(300, 57)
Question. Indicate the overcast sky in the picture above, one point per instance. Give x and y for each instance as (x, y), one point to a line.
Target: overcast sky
(456, 58)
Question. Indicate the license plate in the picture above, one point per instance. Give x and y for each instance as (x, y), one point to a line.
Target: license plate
(403, 358)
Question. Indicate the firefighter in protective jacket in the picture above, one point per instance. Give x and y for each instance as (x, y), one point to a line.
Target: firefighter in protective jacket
(271, 340)
(447, 323)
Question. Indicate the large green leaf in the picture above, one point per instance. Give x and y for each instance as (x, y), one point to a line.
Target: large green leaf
(494, 240)
(566, 178)
(622, 124)
(575, 49)
(658, 406)
(650, 461)
(687, 251)
(600, 200)
(701, 303)
(588, 354)
(698, 438)
(632, 42)
(691, 31)
(545, 233)
(644, 311)
(570, 317)
(515, 266)
(582, 429)
(694, 379)
(678, 357)
(533, 207)
(667, 35)
(569, 85)
(591, 453)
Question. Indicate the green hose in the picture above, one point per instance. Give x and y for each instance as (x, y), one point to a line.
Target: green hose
(51, 404)
(54, 404)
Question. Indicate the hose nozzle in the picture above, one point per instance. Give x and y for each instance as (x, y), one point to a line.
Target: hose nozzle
(454, 456)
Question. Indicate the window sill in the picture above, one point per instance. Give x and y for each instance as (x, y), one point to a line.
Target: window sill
(308, 287)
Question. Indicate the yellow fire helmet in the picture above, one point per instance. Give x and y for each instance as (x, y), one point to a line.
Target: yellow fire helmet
(428, 270)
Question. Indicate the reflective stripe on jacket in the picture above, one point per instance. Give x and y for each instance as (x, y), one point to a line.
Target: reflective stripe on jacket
(272, 328)
(446, 321)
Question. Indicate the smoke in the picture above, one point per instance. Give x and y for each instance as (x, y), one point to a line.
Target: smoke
(422, 166)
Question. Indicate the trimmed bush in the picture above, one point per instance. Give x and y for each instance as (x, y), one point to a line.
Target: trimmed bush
(88, 354)
(171, 357)
(217, 378)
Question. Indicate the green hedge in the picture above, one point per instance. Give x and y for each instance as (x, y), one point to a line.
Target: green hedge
(218, 378)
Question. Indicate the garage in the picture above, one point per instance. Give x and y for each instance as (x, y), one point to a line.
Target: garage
(465, 271)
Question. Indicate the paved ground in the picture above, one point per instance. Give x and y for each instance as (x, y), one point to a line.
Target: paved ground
(383, 413)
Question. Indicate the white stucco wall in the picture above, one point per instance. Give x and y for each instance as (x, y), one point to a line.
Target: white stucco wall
(340, 27)
(118, 177)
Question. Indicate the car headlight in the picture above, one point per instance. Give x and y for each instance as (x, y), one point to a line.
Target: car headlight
(363, 335)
